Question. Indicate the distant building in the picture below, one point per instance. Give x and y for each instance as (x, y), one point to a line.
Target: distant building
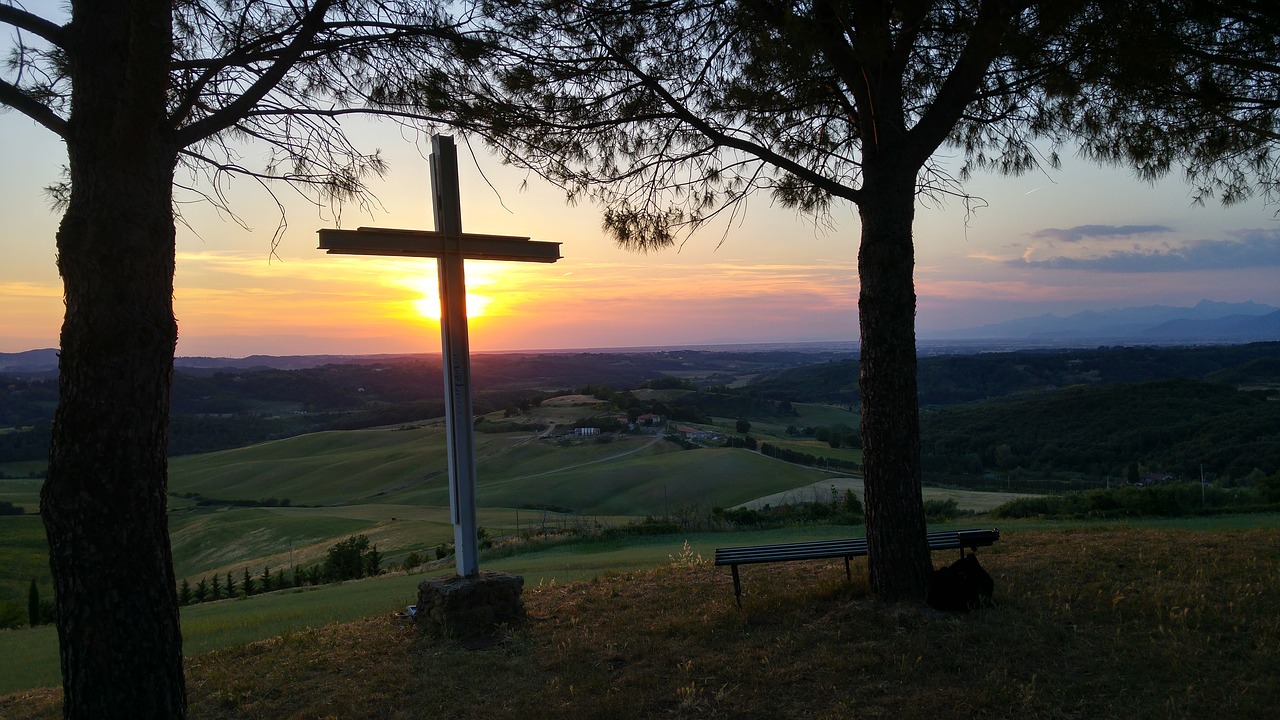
(649, 420)
(586, 431)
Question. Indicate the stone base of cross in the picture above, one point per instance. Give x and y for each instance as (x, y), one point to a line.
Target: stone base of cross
(450, 246)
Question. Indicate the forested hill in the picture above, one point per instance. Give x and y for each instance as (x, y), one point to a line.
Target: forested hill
(953, 379)
(1178, 427)
(222, 408)
(216, 406)
(1072, 416)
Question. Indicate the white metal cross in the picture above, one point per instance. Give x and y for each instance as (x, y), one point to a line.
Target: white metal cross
(450, 246)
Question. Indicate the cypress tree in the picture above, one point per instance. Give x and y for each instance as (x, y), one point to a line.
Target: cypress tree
(372, 562)
(33, 604)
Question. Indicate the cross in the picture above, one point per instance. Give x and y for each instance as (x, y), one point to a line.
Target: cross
(450, 246)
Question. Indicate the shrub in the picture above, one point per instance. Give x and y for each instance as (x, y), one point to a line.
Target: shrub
(852, 505)
(11, 616)
(412, 561)
(936, 509)
(346, 560)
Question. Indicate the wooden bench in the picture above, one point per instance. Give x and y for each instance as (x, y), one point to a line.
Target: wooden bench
(847, 549)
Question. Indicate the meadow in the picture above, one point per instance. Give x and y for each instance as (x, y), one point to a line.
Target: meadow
(390, 485)
(1152, 619)
(801, 621)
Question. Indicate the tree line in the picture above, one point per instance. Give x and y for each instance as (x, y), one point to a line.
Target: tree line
(803, 458)
(1174, 500)
(957, 379)
(350, 559)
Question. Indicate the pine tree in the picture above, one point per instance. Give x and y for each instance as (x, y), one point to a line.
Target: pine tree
(33, 604)
(669, 114)
(266, 580)
(215, 588)
(138, 89)
(247, 583)
(202, 590)
(184, 593)
(231, 586)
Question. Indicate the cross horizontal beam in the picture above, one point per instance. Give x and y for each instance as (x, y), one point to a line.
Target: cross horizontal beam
(432, 243)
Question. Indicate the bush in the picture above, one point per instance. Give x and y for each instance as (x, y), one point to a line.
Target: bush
(852, 505)
(412, 561)
(352, 559)
(11, 615)
(935, 509)
(1269, 488)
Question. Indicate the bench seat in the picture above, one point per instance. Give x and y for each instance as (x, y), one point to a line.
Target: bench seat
(847, 548)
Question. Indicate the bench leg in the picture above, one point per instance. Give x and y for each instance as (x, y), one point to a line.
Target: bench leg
(847, 572)
(737, 585)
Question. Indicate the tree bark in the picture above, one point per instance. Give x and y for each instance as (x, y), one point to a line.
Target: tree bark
(104, 501)
(898, 552)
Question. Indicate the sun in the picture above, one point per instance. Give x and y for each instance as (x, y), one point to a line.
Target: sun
(428, 306)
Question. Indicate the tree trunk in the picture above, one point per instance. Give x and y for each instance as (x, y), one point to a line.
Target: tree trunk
(898, 556)
(104, 501)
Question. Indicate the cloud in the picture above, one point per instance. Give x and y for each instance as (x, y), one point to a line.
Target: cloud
(1082, 232)
(1249, 249)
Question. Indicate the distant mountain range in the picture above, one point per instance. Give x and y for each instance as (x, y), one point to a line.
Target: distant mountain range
(1206, 322)
(46, 361)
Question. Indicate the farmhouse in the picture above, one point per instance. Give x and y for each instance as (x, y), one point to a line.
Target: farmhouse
(1149, 479)
(689, 434)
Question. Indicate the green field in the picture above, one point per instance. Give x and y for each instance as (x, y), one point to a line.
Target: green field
(24, 554)
(390, 484)
(23, 492)
(28, 657)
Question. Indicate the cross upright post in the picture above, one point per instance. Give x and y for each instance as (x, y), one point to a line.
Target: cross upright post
(455, 346)
(450, 247)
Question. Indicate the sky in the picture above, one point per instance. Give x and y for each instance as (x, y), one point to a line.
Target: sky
(1061, 242)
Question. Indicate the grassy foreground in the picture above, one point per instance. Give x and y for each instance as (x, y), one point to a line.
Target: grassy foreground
(1088, 622)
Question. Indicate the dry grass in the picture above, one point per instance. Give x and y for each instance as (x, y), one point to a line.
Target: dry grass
(1090, 623)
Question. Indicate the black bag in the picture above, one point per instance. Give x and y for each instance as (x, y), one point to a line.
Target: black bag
(963, 585)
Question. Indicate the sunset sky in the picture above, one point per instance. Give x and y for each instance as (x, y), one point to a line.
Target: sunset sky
(1084, 238)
